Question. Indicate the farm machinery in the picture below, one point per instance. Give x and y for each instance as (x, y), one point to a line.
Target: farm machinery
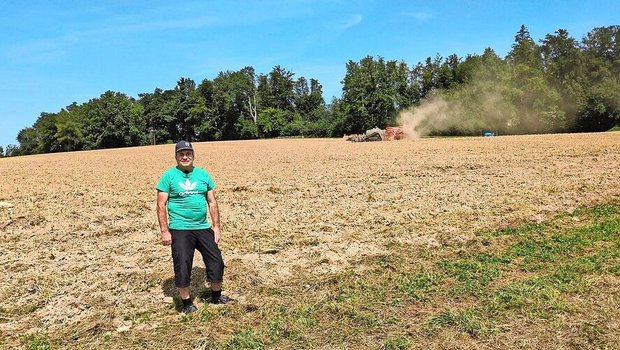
(388, 134)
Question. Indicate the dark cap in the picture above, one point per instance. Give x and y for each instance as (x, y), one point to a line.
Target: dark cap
(182, 145)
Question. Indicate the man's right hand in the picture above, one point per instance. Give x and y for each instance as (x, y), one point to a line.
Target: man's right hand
(166, 238)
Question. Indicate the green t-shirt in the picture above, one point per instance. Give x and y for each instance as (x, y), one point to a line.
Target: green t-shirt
(187, 197)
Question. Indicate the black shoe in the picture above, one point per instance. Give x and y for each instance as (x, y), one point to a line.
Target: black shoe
(222, 299)
(188, 309)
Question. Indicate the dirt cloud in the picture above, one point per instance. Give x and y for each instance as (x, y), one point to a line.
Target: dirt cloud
(482, 104)
(420, 121)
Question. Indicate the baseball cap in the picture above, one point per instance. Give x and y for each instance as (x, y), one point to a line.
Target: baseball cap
(182, 145)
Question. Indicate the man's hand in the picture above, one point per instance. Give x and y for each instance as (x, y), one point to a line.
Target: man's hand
(217, 234)
(166, 237)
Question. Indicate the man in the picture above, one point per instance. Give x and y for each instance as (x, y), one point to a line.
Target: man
(183, 194)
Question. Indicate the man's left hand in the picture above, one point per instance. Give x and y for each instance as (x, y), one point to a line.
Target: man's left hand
(217, 234)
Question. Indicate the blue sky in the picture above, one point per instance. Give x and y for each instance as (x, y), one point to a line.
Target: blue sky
(53, 53)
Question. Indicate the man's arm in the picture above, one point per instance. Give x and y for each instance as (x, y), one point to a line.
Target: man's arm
(215, 215)
(162, 217)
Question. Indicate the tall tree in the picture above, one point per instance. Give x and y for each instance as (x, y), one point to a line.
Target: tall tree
(564, 69)
(28, 143)
(599, 108)
(114, 120)
(604, 43)
(235, 103)
(447, 73)
(373, 92)
(524, 50)
(158, 115)
(69, 128)
(309, 101)
(482, 102)
(46, 130)
(536, 101)
(426, 76)
(281, 85)
(208, 128)
(188, 109)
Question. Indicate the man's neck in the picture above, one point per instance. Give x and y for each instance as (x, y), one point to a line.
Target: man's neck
(187, 169)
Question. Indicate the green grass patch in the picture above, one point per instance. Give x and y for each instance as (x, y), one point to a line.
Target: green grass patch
(245, 339)
(472, 274)
(36, 342)
(397, 342)
(534, 296)
(469, 321)
(417, 286)
(558, 262)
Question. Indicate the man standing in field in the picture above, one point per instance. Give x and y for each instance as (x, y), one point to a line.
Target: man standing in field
(183, 194)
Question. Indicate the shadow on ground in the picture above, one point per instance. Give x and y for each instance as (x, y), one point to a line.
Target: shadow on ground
(198, 287)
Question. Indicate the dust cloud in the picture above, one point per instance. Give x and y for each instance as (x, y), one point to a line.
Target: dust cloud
(422, 120)
(476, 107)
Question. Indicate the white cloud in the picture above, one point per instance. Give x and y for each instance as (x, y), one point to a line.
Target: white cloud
(419, 16)
(188, 23)
(352, 21)
(36, 51)
(51, 49)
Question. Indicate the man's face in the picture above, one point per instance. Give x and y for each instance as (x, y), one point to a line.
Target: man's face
(185, 158)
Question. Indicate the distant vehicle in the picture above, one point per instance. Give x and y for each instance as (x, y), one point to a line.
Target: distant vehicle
(388, 134)
(489, 133)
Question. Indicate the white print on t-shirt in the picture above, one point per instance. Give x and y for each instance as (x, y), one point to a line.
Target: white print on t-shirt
(188, 187)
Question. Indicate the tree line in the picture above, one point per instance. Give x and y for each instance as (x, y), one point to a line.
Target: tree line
(556, 85)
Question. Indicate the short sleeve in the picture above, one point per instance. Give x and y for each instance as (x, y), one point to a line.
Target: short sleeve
(210, 182)
(164, 183)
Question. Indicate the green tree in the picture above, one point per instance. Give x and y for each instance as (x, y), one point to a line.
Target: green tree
(40, 138)
(188, 109)
(600, 109)
(373, 92)
(482, 101)
(536, 101)
(248, 93)
(309, 101)
(69, 129)
(234, 99)
(525, 51)
(564, 69)
(603, 43)
(271, 122)
(426, 76)
(281, 89)
(114, 120)
(45, 128)
(158, 115)
(447, 75)
(28, 142)
(208, 127)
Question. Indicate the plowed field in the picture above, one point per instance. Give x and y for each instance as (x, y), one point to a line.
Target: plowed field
(79, 240)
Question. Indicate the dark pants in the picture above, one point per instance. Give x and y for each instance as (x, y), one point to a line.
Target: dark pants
(184, 242)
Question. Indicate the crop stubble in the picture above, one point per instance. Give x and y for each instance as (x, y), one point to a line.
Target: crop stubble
(79, 235)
